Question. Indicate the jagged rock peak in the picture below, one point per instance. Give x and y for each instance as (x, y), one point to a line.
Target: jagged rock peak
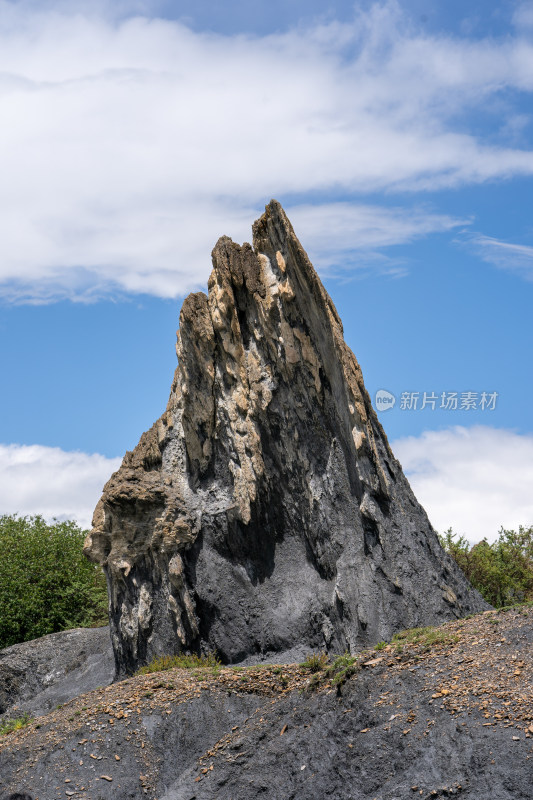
(264, 514)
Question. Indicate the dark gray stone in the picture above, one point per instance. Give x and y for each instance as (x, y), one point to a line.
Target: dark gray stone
(37, 676)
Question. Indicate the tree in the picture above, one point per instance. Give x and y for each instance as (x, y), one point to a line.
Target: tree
(502, 571)
(46, 583)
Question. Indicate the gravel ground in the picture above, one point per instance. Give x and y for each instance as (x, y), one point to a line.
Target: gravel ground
(444, 714)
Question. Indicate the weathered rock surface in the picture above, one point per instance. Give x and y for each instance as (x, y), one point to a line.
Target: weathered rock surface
(264, 512)
(37, 676)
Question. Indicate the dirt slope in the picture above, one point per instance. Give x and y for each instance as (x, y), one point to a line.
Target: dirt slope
(444, 714)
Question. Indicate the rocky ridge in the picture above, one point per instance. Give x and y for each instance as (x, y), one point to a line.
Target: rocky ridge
(264, 513)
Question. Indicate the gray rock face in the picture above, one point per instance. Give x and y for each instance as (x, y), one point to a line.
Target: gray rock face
(264, 513)
(38, 675)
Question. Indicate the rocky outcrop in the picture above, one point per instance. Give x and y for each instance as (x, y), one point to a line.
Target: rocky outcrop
(264, 513)
(38, 675)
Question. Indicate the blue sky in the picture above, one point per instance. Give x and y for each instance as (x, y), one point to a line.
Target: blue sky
(397, 135)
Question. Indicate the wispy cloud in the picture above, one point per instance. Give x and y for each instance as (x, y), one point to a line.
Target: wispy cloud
(506, 255)
(344, 237)
(49, 481)
(130, 144)
(472, 479)
(523, 15)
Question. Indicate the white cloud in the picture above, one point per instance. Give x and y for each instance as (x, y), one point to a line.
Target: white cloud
(506, 255)
(523, 16)
(472, 479)
(51, 482)
(129, 145)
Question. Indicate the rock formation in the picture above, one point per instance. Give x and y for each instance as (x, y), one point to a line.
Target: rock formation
(264, 514)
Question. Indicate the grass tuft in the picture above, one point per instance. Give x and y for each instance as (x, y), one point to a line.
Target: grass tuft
(516, 607)
(337, 672)
(182, 661)
(343, 667)
(11, 725)
(425, 637)
(315, 662)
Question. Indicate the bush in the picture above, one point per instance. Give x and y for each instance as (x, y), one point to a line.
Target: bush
(502, 572)
(342, 669)
(46, 583)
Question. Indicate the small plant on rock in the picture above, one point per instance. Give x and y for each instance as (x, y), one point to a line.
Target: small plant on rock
(343, 668)
(11, 725)
(315, 662)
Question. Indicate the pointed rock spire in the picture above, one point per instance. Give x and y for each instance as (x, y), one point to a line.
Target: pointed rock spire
(264, 514)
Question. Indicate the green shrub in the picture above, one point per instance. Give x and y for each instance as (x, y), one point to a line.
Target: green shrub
(336, 671)
(46, 583)
(343, 667)
(502, 572)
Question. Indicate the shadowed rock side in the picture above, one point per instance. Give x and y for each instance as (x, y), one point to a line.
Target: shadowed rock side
(264, 513)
